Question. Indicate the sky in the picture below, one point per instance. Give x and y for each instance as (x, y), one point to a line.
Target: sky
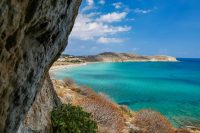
(147, 27)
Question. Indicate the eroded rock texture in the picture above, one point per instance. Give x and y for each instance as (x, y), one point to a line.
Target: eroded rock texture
(38, 118)
(33, 33)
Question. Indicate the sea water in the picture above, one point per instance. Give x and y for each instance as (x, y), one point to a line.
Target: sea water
(172, 88)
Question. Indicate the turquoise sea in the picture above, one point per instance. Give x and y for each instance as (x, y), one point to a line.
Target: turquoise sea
(172, 88)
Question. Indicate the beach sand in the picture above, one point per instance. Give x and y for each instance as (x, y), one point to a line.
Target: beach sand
(57, 67)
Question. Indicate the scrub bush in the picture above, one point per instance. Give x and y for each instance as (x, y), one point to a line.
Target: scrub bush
(72, 119)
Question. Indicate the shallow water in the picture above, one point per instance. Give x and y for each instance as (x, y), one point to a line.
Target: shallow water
(172, 88)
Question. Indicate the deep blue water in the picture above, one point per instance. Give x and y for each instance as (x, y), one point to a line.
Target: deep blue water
(172, 88)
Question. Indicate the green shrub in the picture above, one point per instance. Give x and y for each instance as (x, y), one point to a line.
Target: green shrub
(72, 119)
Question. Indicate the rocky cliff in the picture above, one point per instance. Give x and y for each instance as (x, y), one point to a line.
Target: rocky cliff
(33, 34)
(38, 117)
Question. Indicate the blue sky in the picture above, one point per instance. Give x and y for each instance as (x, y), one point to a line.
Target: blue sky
(148, 27)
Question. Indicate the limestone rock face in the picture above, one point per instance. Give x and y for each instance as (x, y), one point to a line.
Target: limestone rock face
(38, 117)
(33, 33)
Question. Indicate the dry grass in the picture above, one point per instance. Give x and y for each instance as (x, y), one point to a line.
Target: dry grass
(153, 122)
(108, 116)
(69, 83)
(64, 90)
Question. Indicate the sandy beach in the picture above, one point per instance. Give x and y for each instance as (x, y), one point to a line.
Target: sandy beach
(56, 67)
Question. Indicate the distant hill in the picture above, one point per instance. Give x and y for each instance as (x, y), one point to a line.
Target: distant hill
(113, 57)
(125, 57)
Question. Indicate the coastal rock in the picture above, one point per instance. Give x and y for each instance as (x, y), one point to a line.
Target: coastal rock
(38, 117)
(33, 34)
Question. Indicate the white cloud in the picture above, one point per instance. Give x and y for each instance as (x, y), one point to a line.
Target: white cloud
(93, 26)
(142, 11)
(90, 2)
(112, 17)
(90, 5)
(102, 2)
(109, 40)
(86, 28)
(93, 14)
(117, 5)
